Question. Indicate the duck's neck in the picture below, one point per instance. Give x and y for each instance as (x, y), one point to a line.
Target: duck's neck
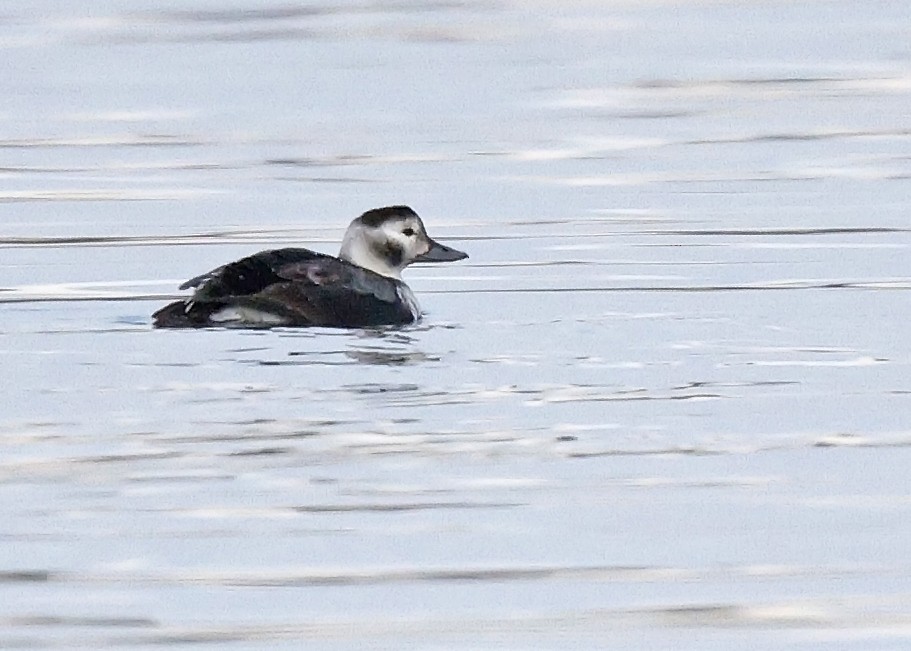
(358, 252)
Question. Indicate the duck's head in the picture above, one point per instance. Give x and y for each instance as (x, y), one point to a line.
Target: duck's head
(386, 240)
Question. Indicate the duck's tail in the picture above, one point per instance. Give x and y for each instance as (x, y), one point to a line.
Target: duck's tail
(184, 314)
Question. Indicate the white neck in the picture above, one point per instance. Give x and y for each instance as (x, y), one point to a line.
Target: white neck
(357, 251)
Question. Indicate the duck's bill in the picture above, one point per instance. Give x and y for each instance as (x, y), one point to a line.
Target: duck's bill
(441, 253)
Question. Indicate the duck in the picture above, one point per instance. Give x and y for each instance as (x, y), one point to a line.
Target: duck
(297, 287)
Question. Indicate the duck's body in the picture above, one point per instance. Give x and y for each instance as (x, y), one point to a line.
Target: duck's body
(299, 287)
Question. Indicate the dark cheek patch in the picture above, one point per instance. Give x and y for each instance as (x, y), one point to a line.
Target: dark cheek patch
(393, 253)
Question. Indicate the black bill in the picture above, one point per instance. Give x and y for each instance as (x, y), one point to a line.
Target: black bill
(441, 253)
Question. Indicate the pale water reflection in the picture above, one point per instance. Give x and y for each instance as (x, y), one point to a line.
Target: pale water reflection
(665, 403)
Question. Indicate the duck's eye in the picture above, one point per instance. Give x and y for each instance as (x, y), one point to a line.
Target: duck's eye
(408, 232)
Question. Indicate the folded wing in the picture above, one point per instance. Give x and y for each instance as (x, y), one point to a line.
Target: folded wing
(289, 287)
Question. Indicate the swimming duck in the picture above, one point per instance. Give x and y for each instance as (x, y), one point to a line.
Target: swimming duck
(362, 287)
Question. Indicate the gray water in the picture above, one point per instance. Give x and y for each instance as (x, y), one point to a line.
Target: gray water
(664, 405)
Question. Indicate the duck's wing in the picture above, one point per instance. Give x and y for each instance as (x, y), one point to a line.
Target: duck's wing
(291, 287)
(248, 275)
(325, 291)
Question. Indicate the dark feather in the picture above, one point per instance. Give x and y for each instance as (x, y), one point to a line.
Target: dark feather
(334, 304)
(300, 286)
(248, 275)
(378, 216)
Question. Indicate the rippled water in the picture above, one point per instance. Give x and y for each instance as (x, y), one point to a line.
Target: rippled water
(665, 403)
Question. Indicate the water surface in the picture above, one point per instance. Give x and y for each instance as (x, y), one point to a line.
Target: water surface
(665, 403)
